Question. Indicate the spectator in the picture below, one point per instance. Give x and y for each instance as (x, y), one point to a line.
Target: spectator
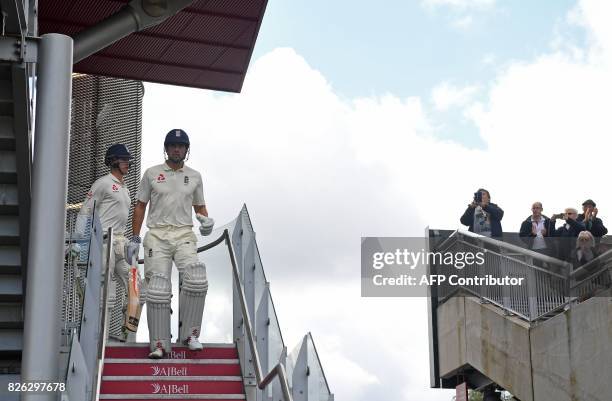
(589, 217)
(482, 216)
(585, 250)
(567, 231)
(536, 228)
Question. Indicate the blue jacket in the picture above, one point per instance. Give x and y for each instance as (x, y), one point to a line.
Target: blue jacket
(495, 216)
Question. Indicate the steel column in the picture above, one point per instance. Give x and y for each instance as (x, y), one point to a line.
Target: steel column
(40, 361)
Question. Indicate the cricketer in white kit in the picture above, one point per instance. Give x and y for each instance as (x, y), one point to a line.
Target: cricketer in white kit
(172, 190)
(110, 197)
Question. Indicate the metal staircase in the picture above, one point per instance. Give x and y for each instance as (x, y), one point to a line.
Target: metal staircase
(211, 374)
(547, 340)
(15, 167)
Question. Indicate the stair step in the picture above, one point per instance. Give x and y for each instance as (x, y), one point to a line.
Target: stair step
(6, 98)
(10, 256)
(165, 397)
(12, 340)
(8, 162)
(9, 230)
(142, 352)
(7, 143)
(182, 386)
(11, 315)
(7, 131)
(11, 288)
(146, 368)
(5, 379)
(9, 196)
(173, 378)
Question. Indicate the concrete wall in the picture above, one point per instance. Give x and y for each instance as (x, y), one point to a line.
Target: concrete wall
(483, 337)
(572, 354)
(568, 357)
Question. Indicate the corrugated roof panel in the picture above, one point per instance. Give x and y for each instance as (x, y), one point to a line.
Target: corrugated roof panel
(243, 8)
(91, 11)
(58, 26)
(207, 45)
(57, 9)
(217, 29)
(159, 73)
(174, 25)
(217, 78)
(232, 59)
(198, 54)
(139, 47)
(247, 36)
(100, 65)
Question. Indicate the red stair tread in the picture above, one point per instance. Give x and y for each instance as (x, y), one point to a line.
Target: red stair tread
(166, 399)
(171, 387)
(170, 369)
(176, 353)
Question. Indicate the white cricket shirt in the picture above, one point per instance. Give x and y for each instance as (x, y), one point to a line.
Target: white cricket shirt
(112, 200)
(171, 194)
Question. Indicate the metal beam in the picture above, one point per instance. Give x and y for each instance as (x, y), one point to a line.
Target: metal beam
(136, 16)
(42, 335)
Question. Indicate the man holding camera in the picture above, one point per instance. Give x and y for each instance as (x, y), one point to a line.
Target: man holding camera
(567, 232)
(589, 217)
(483, 217)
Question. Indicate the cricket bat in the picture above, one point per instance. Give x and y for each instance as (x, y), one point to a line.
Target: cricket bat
(132, 315)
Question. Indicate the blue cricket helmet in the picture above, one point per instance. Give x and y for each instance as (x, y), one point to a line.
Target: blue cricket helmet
(117, 151)
(176, 136)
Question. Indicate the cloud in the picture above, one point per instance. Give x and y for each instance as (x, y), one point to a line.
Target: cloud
(462, 13)
(318, 171)
(446, 95)
(459, 4)
(463, 22)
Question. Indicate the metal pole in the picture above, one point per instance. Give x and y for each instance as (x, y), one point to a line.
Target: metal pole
(41, 335)
(105, 33)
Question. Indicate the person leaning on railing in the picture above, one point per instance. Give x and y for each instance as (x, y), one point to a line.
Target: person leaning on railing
(585, 251)
(536, 229)
(483, 217)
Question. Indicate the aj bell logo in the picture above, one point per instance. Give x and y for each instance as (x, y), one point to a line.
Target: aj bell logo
(176, 355)
(169, 371)
(161, 177)
(170, 388)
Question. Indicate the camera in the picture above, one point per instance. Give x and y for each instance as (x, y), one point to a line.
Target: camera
(478, 197)
(561, 216)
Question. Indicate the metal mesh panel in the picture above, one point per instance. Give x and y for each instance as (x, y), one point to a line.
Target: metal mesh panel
(105, 111)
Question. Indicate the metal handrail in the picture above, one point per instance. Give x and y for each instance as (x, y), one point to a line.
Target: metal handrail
(591, 263)
(509, 252)
(103, 326)
(515, 248)
(279, 369)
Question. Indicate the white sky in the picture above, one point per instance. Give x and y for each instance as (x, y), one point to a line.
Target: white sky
(319, 170)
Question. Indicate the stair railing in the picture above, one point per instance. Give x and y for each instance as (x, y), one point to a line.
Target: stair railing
(278, 370)
(592, 277)
(547, 279)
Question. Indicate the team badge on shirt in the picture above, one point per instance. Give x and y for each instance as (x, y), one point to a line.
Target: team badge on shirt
(186, 180)
(161, 177)
(89, 194)
(115, 188)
